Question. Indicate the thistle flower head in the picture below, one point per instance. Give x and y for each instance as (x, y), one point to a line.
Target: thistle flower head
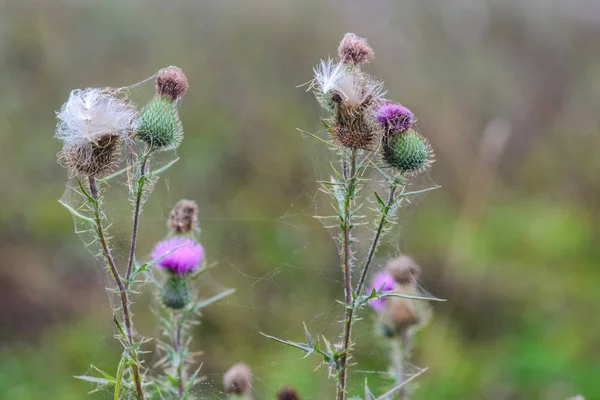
(178, 255)
(159, 125)
(171, 82)
(394, 117)
(288, 393)
(183, 218)
(92, 124)
(237, 379)
(355, 50)
(408, 152)
(403, 270)
(381, 282)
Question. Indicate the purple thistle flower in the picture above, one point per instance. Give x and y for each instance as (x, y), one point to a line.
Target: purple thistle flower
(395, 117)
(178, 255)
(381, 282)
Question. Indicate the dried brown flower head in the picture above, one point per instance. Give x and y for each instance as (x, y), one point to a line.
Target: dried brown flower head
(404, 270)
(184, 217)
(288, 393)
(237, 379)
(171, 82)
(355, 50)
(94, 159)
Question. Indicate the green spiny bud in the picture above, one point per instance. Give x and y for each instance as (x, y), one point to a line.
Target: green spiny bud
(160, 125)
(175, 292)
(408, 152)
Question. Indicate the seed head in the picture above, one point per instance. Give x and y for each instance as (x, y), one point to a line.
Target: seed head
(237, 379)
(92, 124)
(288, 393)
(408, 152)
(172, 83)
(403, 270)
(183, 218)
(355, 50)
(394, 117)
(175, 293)
(159, 124)
(178, 255)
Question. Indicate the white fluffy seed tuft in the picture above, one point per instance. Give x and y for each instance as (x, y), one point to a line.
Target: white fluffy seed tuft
(353, 87)
(92, 113)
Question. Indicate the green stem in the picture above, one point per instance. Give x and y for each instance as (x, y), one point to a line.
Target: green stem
(404, 356)
(350, 183)
(121, 287)
(398, 363)
(378, 234)
(136, 213)
(178, 348)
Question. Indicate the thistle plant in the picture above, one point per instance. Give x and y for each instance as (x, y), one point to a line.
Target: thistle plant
(376, 142)
(181, 257)
(101, 129)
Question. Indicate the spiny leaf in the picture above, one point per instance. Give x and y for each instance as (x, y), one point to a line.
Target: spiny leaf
(76, 213)
(201, 304)
(190, 384)
(115, 174)
(163, 168)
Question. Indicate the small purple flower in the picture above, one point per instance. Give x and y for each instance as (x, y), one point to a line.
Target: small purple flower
(178, 255)
(381, 282)
(395, 117)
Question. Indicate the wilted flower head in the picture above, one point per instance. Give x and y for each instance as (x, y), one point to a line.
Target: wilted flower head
(184, 217)
(178, 255)
(288, 393)
(404, 270)
(92, 124)
(355, 50)
(381, 282)
(237, 379)
(394, 117)
(408, 152)
(171, 82)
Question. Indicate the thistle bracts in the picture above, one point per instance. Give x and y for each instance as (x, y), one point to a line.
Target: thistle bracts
(160, 126)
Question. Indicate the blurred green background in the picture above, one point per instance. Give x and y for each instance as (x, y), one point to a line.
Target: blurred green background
(508, 92)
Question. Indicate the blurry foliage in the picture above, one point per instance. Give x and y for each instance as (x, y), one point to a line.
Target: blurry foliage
(520, 274)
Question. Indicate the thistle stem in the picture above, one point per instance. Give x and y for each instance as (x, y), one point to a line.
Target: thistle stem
(403, 361)
(398, 363)
(121, 287)
(136, 212)
(177, 346)
(378, 234)
(350, 180)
